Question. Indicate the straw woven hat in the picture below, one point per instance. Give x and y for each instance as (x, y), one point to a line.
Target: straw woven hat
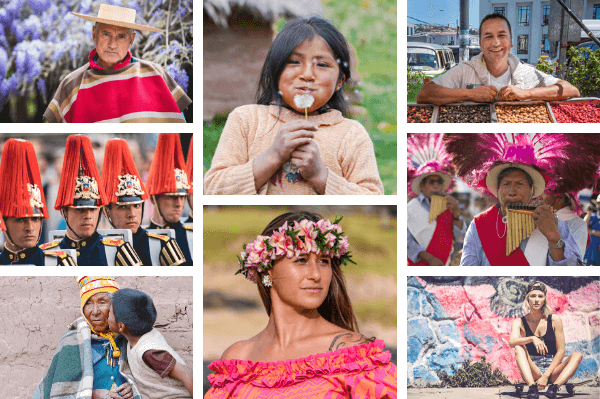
(119, 16)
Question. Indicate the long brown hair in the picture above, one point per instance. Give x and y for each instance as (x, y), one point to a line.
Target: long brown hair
(336, 308)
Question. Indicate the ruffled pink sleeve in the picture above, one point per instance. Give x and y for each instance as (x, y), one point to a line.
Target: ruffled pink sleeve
(362, 371)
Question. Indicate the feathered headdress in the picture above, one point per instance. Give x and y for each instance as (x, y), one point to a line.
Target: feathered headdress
(80, 180)
(168, 171)
(557, 162)
(21, 191)
(121, 181)
(427, 155)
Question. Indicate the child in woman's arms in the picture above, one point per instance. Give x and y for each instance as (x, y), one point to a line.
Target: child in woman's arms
(296, 140)
(158, 371)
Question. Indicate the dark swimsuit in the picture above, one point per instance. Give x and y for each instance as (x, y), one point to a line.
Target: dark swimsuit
(549, 338)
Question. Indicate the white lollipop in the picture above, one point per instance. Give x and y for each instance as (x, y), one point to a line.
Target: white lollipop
(304, 101)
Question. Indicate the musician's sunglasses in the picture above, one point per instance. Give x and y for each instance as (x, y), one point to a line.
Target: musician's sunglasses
(435, 181)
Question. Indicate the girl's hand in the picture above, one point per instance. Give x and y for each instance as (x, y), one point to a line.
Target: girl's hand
(125, 391)
(308, 161)
(104, 394)
(290, 136)
(542, 382)
(540, 346)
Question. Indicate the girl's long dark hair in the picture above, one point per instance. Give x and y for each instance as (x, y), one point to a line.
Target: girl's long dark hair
(295, 32)
(336, 308)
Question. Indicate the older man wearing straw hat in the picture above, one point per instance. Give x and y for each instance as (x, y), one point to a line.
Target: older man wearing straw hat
(114, 86)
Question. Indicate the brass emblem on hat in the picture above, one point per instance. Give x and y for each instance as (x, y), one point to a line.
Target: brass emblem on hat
(35, 196)
(181, 180)
(86, 187)
(129, 185)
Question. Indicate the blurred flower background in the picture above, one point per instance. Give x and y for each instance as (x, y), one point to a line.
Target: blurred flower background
(41, 42)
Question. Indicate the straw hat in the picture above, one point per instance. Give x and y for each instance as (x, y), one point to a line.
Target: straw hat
(119, 16)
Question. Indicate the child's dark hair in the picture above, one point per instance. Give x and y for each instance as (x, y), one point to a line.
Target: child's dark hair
(295, 32)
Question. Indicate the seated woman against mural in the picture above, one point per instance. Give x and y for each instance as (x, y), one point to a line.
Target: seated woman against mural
(539, 342)
(88, 355)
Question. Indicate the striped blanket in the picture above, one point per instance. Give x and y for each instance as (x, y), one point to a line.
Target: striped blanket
(70, 375)
(139, 91)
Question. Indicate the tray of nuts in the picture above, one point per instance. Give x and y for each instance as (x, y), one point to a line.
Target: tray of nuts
(522, 112)
(420, 113)
(467, 112)
(576, 110)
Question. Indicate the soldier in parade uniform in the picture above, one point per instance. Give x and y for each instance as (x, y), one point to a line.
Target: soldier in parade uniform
(190, 173)
(168, 188)
(23, 205)
(126, 195)
(79, 201)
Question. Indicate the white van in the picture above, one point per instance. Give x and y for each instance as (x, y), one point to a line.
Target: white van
(431, 59)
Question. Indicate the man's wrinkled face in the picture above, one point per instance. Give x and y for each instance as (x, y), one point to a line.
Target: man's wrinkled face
(496, 41)
(112, 43)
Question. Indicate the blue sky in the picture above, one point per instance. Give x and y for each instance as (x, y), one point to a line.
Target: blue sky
(442, 11)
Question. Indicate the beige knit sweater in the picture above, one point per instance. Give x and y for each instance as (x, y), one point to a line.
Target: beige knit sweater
(344, 145)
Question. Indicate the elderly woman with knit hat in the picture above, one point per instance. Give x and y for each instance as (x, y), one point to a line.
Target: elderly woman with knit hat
(88, 355)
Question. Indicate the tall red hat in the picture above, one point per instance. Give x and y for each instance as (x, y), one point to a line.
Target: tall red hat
(21, 193)
(80, 179)
(2, 226)
(190, 166)
(121, 181)
(168, 170)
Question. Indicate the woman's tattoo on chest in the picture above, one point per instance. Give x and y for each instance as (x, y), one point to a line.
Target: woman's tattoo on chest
(361, 340)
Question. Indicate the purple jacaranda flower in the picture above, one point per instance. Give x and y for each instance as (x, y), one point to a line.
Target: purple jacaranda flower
(3, 62)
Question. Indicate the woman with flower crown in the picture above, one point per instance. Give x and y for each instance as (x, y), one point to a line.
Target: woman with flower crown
(311, 344)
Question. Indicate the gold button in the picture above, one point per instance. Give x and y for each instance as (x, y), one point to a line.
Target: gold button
(83, 244)
(22, 256)
(78, 254)
(73, 244)
(10, 256)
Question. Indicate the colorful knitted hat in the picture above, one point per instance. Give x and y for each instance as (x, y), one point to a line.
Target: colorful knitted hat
(168, 171)
(135, 309)
(21, 192)
(428, 156)
(555, 161)
(190, 166)
(120, 179)
(80, 179)
(92, 285)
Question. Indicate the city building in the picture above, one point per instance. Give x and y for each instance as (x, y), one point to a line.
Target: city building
(529, 22)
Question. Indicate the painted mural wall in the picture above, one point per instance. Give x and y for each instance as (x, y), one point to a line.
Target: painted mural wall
(454, 318)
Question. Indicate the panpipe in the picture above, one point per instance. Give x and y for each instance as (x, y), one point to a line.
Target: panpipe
(438, 205)
(519, 224)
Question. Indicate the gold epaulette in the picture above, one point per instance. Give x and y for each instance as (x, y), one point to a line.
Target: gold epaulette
(64, 258)
(159, 236)
(112, 242)
(188, 227)
(126, 255)
(171, 255)
(49, 245)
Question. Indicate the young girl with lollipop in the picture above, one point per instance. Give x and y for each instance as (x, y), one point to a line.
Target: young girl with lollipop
(295, 140)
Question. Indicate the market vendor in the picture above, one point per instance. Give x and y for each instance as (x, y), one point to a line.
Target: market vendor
(495, 72)
(113, 86)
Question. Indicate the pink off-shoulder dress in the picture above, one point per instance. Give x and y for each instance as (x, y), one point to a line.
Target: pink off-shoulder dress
(362, 371)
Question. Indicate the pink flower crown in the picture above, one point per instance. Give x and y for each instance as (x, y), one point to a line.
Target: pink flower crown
(303, 237)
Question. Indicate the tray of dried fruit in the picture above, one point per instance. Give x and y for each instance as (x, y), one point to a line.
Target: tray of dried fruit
(522, 112)
(576, 110)
(420, 113)
(465, 112)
